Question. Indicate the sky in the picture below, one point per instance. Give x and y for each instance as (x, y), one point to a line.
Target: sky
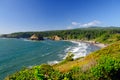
(42, 15)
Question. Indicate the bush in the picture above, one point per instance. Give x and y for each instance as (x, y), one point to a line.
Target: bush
(26, 74)
(69, 57)
(43, 71)
(108, 68)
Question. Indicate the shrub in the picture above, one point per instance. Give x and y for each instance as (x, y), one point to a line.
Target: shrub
(69, 57)
(43, 71)
(107, 68)
(26, 74)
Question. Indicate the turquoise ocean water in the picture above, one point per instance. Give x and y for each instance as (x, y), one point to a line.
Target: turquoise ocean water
(18, 53)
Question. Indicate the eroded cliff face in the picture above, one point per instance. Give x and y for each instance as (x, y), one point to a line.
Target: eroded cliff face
(56, 38)
(35, 37)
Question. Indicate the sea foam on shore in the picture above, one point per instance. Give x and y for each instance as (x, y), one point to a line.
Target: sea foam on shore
(81, 49)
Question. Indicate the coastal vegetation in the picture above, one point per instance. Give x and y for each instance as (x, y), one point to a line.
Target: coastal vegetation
(103, 64)
(99, 34)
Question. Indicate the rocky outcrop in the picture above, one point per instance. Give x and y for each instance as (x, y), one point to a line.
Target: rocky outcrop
(35, 37)
(56, 38)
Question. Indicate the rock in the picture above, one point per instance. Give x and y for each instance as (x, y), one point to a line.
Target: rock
(56, 38)
(35, 37)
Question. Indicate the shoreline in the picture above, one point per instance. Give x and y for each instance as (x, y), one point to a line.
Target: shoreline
(101, 45)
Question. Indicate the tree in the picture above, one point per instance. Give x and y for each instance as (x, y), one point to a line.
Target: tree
(70, 56)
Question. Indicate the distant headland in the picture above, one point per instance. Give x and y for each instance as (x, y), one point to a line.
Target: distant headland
(97, 34)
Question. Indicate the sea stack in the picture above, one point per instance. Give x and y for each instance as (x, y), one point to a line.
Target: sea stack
(56, 38)
(35, 37)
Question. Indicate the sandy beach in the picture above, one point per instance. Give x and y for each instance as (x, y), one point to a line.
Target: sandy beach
(101, 45)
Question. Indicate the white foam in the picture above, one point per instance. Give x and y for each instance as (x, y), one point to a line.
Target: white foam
(30, 67)
(29, 40)
(45, 54)
(26, 40)
(61, 55)
(3, 38)
(53, 62)
(79, 50)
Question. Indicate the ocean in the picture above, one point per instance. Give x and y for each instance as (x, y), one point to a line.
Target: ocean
(16, 54)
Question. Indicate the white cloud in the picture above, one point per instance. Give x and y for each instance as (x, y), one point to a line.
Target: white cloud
(93, 23)
(75, 23)
(78, 25)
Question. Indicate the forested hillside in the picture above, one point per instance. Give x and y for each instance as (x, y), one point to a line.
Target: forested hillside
(103, 64)
(100, 34)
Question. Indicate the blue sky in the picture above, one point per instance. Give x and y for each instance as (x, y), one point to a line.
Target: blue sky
(42, 15)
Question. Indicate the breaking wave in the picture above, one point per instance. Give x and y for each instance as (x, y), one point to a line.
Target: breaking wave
(81, 49)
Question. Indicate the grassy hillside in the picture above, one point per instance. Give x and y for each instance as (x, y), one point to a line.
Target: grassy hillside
(103, 64)
(108, 38)
(113, 50)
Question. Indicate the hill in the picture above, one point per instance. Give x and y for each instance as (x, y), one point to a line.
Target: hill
(99, 34)
(103, 64)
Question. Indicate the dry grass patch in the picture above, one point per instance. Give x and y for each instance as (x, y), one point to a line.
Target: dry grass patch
(90, 60)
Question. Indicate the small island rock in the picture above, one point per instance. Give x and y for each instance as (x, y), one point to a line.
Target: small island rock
(56, 38)
(35, 37)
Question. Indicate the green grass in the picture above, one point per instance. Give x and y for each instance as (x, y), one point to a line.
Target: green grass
(108, 38)
(103, 64)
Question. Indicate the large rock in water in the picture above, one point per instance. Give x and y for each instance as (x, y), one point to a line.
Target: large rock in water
(56, 38)
(35, 37)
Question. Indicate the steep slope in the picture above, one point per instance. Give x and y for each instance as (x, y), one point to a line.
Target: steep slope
(112, 50)
(103, 64)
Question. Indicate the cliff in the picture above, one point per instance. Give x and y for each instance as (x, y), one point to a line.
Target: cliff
(56, 38)
(35, 37)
